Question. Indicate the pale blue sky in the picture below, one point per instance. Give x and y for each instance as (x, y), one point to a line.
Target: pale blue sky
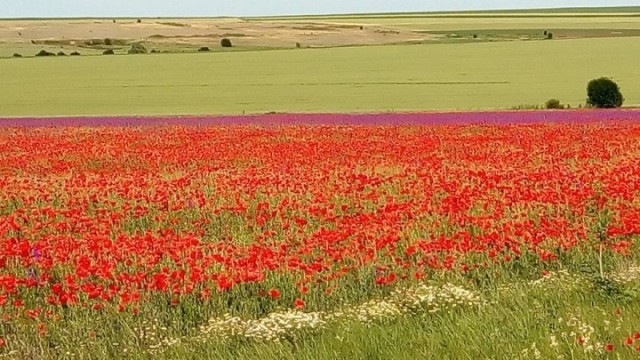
(151, 8)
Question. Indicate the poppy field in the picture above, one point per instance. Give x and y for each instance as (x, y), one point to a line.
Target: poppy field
(294, 241)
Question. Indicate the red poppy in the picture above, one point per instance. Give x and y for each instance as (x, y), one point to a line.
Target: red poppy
(299, 303)
(609, 347)
(274, 293)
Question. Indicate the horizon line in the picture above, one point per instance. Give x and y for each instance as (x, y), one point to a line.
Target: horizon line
(440, 12)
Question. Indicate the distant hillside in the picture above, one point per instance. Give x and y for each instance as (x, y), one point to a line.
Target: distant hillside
(584, 11)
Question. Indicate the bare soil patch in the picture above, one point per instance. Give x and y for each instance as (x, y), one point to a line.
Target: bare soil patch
(201, 32)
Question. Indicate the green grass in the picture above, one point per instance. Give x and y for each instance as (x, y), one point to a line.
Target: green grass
(448, 23)
(360, 79)
(619, 10)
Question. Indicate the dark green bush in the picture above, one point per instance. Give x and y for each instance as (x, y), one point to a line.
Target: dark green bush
(75, 53)
(553, 104)
(108, 52)
(226, 43)
(16, 55)
(550, 35)
(204, 49)
(45, 53)
(61, 53)
(604, 93)
(137, 48)
(108, 42)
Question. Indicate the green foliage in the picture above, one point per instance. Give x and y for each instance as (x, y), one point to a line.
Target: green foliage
(553, 104)
(108, 52)
(75, 53)
(61, 53)
(204, 49)
(45, 53)
(137, 48)
(226, 43)
(108, 42)
(17, 55)
(604, 93)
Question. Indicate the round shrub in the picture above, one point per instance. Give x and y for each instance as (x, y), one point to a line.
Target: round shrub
(16, 55)
(75, 53)
(137, 48)
(45, 53)
(204, 49)
(550, 35)
(226, 43)
(108, 52)
(553, 104)
(108, 42)
(61, 53)
(604, 93)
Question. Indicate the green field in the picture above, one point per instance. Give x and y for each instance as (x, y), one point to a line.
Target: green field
(486, 75)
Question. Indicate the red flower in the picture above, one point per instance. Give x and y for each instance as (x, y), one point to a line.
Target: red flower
(609, 347)
(274, 293)
(3, 342)
(628, 341)
(636, 336)
(299, 304)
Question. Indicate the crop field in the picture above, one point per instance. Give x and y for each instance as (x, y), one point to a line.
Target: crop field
(477, 76)
(181, 237)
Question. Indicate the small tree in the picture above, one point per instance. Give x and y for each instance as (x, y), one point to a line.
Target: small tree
(604, 93)
(137, 48)
(108, 42)
(553, 104)
(139, 21)
(550, 35)
(226, 43)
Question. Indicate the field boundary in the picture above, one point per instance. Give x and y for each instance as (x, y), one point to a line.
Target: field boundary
(504, 117)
